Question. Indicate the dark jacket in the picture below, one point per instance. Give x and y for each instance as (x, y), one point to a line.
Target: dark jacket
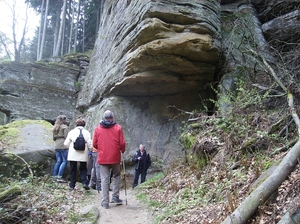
(145, 161)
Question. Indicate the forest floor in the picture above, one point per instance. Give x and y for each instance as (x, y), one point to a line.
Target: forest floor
(182, 195)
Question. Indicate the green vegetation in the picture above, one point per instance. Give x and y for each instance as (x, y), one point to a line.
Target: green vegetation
(9, 133)
(224, 154)
(50, 201)
(78, 85)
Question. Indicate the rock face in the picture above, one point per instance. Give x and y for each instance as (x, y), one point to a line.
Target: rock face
(153, 65)
(39, 90)
(157, 48)
(35, 145)
(160, 53)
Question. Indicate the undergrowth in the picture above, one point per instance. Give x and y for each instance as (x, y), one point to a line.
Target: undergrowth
(43, 200)
(224, 158)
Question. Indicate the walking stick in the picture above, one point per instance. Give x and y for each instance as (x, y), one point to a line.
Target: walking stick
(124, 179)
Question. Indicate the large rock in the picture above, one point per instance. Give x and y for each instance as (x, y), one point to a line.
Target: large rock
(271, 9)
(157, 46)
(33, 145)
(280, 25)
(40, 90)
(283, 29)
(159, 54)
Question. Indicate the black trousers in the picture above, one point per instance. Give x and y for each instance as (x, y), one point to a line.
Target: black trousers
(73, 172)
(137, 174)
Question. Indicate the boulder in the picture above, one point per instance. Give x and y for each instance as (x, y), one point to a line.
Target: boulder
(32, 148)
(284, 28)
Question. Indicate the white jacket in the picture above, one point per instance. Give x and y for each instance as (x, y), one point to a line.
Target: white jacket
(78, 155)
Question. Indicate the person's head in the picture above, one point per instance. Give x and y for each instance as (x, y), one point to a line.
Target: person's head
(63, 119)
(142, 147)
(108, 115)
(80, 122)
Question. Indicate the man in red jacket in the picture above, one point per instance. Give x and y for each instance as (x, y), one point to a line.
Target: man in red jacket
(109, 140)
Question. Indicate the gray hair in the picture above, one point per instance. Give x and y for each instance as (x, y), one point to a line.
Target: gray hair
(108, 115)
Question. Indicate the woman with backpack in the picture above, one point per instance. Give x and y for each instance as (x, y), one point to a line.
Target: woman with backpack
(79, 142)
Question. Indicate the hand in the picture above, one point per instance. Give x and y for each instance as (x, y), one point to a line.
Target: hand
(139, 158)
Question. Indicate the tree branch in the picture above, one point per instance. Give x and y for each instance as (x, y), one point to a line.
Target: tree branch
(248, 207)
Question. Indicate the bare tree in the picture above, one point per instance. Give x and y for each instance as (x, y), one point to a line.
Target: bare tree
(17, 24)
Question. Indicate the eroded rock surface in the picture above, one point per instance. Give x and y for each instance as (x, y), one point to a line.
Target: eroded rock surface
(160, 56)
(160, 53)
(40, 90)
(157, 48)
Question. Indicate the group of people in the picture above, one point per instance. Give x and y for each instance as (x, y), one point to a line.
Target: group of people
(99, 160)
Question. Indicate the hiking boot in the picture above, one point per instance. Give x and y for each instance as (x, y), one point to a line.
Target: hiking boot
(105, 205)
(71, 188)
(116, 200)
(86, 187)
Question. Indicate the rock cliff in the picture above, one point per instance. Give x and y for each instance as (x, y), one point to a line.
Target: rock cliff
(41, 90)
(152, 61)
(160, 54)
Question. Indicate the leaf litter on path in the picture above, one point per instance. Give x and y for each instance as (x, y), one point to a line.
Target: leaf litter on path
(133, 213)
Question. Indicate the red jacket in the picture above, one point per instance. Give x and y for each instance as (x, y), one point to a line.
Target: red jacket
(110, 143)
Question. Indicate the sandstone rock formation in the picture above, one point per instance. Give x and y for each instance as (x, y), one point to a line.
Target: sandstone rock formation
(40, 90)
(150, 58)
(159, 54)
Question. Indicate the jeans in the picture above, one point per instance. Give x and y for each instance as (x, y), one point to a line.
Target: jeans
(61, 162)
(73, 172)
(105, 177)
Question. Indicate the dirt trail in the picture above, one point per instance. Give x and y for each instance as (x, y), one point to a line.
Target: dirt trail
(133, 213)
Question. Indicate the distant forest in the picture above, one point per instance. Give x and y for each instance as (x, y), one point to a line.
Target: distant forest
(66, 26)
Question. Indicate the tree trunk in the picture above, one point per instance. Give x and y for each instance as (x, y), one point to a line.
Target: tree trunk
(247, 208)
(40, 56)
(61, 29)
(71, 29)
(43, 16)
(21, 43)
(14, 32)
(76, 27)
(83, 31)
(290, 219)
(56, 28)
